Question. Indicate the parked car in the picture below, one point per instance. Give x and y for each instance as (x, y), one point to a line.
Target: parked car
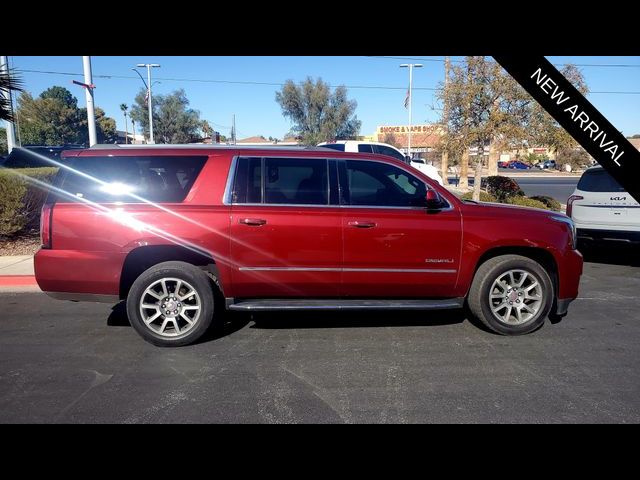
(183, 233)
(504, 163)
(429, 170)
(33, 156)
(383, 149)
(547, 164)
(518, 165)
(603, 211)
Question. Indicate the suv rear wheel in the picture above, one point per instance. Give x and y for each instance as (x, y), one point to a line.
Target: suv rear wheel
(511, 295)
(171, 304)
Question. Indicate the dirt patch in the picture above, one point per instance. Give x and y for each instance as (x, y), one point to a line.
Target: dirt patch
(27, 244)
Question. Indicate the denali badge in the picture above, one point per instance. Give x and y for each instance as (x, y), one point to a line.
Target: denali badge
(438, 260)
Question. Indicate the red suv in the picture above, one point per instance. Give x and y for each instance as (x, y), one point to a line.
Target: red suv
(183, 233)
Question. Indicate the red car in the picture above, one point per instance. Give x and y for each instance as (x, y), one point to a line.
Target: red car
(182, 233)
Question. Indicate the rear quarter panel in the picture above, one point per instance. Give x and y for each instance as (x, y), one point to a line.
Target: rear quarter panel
(91, 241)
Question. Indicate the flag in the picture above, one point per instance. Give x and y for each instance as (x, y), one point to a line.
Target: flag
(406, 99)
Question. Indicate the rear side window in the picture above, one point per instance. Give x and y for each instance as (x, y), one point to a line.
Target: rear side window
(122, 179)
(598, 181)
(384, 150)
(335, 146)
(365, 148)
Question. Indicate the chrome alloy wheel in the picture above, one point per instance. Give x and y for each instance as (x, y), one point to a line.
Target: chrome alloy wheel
(516, 296)
(170, 307)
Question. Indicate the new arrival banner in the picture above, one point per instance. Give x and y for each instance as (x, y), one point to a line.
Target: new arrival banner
(578, 117)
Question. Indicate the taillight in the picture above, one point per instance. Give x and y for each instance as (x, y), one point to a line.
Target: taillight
(570, 201)
(45, 225)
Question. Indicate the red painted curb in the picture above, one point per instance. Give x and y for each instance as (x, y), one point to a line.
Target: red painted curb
(14, 280)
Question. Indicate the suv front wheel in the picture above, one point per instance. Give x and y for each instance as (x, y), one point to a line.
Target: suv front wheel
(171, 304)
(511, 295)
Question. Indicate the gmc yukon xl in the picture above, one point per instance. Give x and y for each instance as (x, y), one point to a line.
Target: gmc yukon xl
(184, 232)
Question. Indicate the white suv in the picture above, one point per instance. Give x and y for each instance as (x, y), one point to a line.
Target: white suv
(602, 210)
(383, 149)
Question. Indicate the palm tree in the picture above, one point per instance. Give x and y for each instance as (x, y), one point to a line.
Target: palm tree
(133, 129)
(124, 107)
(7, 84)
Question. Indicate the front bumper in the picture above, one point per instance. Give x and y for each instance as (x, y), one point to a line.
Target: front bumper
(597, 235)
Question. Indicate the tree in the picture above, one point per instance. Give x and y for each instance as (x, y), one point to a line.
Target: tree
(317, 114)
(173, 121)
(485, 107)
(124, 107)
(4, 149)
(54, 118)
(391, 139)
(105, 127)
(8, 83)
(544, 130)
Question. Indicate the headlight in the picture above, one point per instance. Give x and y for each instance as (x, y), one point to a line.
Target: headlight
(572, 229)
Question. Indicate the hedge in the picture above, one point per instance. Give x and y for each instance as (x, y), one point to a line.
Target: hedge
(21, 200)
(502, 187)
(484, 197)
(526, 202)
(551, 203)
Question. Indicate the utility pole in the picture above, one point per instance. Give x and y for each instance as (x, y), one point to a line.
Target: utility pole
(11, 134)
(411, 67)
(91, 115)
(445, 121)
(149, 102)
(233, 129)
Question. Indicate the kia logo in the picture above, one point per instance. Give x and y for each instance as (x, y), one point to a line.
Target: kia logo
(619, 199)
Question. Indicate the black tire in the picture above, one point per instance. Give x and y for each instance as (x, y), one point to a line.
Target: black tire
(488, 272)
(178, 270)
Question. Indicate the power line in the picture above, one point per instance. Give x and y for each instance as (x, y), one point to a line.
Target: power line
(276, 84)
(234, 82)
(616, 65)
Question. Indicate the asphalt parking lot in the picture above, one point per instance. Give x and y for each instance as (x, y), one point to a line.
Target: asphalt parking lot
(74, 363)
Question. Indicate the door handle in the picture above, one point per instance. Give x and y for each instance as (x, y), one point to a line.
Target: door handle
(252, 221)
(361, 224)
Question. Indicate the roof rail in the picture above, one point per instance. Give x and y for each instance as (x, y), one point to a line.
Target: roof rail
(104, 146)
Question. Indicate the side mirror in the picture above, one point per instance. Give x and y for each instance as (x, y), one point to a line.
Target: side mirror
(433, 200)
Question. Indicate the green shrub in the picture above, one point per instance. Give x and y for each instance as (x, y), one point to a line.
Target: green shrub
(502, 187)
(551, 203)
(526, 202)
(21, 200)
(484, 197)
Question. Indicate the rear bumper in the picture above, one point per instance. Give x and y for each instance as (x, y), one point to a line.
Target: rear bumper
(597, 235)
(78, 272)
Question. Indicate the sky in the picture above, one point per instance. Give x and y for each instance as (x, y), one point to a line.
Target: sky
(205, 81)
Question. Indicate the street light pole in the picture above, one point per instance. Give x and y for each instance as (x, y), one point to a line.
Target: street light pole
(91, 115)
(411, 66)
(148, 85)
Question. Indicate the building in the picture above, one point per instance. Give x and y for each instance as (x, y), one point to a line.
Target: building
(424, 138)
(260, 140)
(131, 137)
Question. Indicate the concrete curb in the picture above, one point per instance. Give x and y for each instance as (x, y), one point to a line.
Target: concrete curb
(17, 275)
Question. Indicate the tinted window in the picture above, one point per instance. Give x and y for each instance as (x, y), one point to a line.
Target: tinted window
(598, 181)
(365, 148)
(380, 184)
(335, 146)
(384, 150)
(296, 181)
(247, 186)
(115, 179)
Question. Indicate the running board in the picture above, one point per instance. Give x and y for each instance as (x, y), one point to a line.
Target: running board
(343, 304)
